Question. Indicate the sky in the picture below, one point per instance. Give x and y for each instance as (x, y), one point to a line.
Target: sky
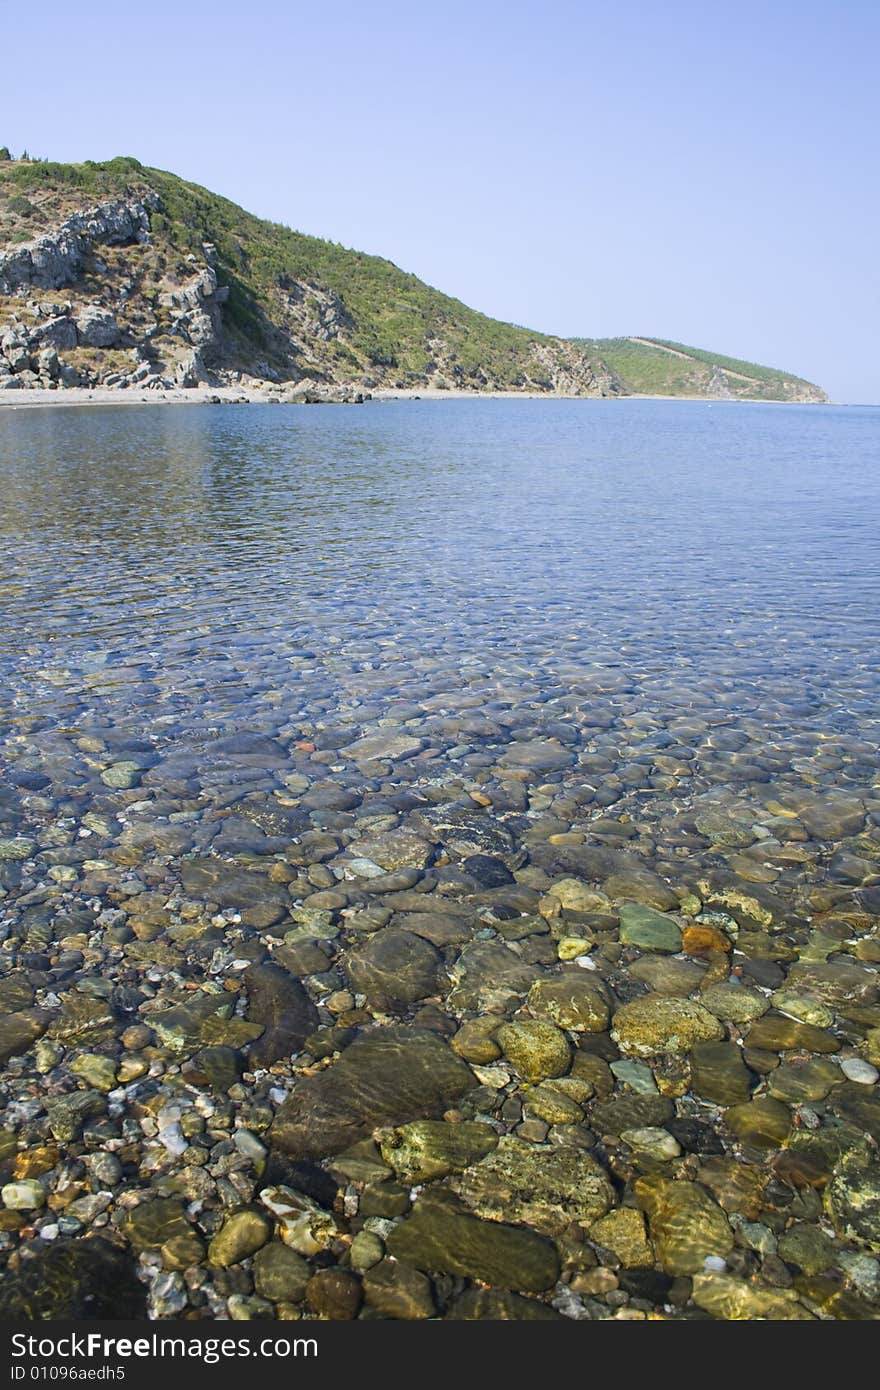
(700, 172)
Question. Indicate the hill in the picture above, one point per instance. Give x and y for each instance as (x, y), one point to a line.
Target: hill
(658, 367)
(118, 274)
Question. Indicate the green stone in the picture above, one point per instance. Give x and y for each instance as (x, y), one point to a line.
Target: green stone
(378, 747)
(394, 1289)
(240, 1236)
(642, 886)
(765, 1123)
(722, 831)
(490, 977)
(16, 848)
(394, 969)
(217, 1031)
(155, 1222)
(179, 1027)
(83, 1019)
(655, 1024)
(736, 1300)
(362, 1163)
(804, 1007)
(122, 775)
(284, 1012)
(68, 1113)
(852, 1200)
(395, 849)
(74, 1280)
(648, 929)
(736, 1186)
(552, 1106)
(19, 1031)
(384, 1199)
(16, 993)
(733, 1002)
(575, 1000)
(719, 1074)
(212, 880)
(438, 1236)
(668, 974)
(776, 1033)
(430, 1149)
(280, 1274)
(799, 1081)
(475, 1040)
(653, 1143)
(25, 1195)
(215, 1067)
(630, 1112)
(859, 1105)
(536, 1048)
(334, 1294)
(623, 1232)
(837, 983)
(98, 1071)
(637, 1075)
(546, 1186)
(366, 1250)
(389, 1076)
(499, 1305)
(808, 1247)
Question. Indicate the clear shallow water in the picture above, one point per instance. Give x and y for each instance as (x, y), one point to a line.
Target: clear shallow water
(636, 640)
(691, 538)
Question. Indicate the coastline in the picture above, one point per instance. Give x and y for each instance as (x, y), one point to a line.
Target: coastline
(39, 397)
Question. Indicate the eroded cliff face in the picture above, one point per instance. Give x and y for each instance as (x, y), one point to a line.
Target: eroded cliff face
(56, 259)
(105, 298)
(96, 302)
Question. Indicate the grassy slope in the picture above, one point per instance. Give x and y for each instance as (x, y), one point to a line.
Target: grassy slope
(394, 316)
(652, 372)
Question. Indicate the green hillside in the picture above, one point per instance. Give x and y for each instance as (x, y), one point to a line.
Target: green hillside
(116, 274)
(289, 305)
(660, 367)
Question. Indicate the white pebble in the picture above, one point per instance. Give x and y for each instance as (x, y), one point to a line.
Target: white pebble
(857, 1069)
(173, 1139)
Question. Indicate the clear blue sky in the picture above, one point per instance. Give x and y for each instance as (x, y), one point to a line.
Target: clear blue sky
(692, 171)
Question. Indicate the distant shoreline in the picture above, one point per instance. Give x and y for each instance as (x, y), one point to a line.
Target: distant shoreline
(33, 397)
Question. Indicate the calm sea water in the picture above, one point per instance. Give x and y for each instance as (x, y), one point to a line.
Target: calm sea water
(197, 551)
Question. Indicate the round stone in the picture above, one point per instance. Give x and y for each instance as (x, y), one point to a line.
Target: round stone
(26, 1195)
(240, 1236)
(857, 1069)
(653, 1143)
(657, 1024)
(536, 1048)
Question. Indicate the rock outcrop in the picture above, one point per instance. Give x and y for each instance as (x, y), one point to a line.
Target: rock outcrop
(56, 259)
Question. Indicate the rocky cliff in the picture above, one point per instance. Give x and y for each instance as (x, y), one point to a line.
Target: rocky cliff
(158, 283)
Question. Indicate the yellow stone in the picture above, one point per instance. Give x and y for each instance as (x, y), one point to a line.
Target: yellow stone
(737, 1300)
(623, 1232)
(34, 1162)
(685, 1223)
(570, 947)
